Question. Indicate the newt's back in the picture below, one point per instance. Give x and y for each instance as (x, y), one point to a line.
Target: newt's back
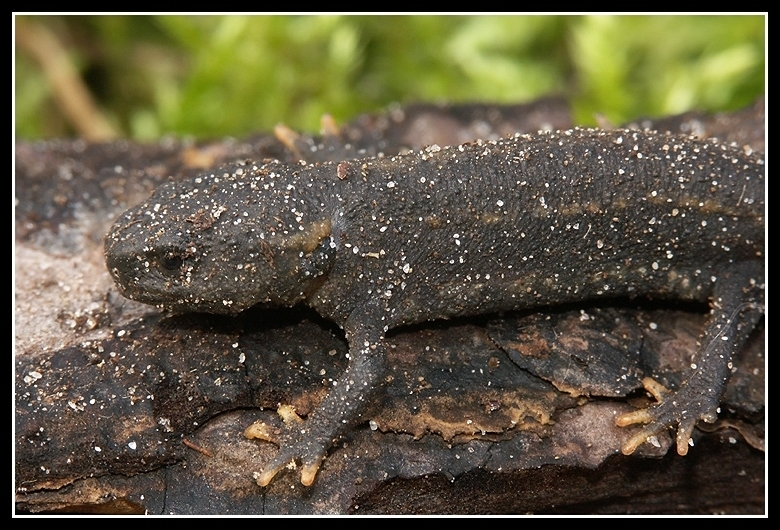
(540, 220)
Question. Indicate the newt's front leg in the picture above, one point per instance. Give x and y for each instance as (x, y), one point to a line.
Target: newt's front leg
(309, 440)
(737, 307)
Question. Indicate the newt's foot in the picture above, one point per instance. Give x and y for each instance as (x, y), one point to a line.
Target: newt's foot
(293, 443)
(672, 408)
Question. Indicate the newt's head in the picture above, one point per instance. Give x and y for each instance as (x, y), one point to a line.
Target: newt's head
(219, 243)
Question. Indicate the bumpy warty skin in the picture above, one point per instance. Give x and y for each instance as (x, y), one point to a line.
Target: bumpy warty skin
(456, 231)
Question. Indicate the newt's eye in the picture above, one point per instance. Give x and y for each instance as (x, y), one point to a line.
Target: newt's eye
(170, 261)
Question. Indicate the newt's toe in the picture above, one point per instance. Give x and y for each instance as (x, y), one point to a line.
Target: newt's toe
(684, 433)
(267, 475)
(631, 418)
(645, 435)
(260, 430)
(309, 471)
(672, 409)
(286, 459)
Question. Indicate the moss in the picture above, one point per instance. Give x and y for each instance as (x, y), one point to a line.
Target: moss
(211, 76)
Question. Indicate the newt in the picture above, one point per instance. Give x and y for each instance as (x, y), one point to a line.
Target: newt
(484, 227)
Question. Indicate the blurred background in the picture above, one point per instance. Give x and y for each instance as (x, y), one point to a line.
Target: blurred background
(141, 77)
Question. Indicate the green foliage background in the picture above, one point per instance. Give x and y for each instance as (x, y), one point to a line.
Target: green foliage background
(210, 76)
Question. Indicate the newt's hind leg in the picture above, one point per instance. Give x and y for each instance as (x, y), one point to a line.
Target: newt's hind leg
(736, 309)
